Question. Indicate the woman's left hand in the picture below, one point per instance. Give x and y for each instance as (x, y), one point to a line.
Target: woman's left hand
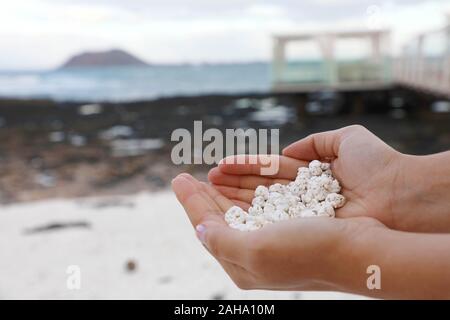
(298, 254)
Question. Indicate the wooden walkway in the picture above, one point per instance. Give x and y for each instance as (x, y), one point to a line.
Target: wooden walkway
(423, 65)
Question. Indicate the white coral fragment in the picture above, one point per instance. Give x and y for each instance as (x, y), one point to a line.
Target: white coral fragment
(314, 193)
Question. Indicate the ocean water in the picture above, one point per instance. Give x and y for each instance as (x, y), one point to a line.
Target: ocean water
(135, 83)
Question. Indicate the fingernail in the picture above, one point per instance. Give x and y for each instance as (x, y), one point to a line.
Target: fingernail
(175, 178)
(201, 229)
(178, 177)
(223, 161)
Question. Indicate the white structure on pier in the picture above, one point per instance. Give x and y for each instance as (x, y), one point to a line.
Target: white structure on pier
(330, 71)
(423, 65)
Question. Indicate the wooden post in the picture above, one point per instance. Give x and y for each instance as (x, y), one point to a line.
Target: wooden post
(278, 59)
(301, 102)
(326, 43)
(401, 66)
(357, 104)
(376, 46)
(386, 58)
(420, 63)
(376, 39)
(446, 64)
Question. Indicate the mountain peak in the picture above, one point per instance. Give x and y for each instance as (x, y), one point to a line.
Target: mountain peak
(113, 57)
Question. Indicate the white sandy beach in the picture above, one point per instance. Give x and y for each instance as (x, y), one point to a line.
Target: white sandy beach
(150, 229)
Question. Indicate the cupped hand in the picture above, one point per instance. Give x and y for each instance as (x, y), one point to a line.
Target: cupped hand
(366, 167)
(292, 255)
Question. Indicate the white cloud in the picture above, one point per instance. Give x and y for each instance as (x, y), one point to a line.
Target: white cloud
(266, 10)
(43, 33)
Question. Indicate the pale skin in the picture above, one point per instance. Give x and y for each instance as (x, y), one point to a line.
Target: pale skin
(397, 217)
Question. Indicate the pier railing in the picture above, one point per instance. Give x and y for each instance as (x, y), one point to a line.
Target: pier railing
(425, 63)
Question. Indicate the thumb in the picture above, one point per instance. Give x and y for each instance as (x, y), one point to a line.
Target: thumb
(223, 242)
(316, 146)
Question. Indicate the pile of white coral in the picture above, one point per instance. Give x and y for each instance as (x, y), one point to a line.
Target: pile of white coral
(314, 193)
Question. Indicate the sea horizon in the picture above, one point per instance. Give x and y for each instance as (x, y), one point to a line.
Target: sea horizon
(130, 83)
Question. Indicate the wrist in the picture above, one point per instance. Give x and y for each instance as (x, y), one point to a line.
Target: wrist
(359, 247)
(342, 267)
(421, 195)
(408, 265)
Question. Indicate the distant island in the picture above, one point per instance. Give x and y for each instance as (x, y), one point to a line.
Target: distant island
(115, 57)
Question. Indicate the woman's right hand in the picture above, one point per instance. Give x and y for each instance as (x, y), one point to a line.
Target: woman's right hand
(403, 192)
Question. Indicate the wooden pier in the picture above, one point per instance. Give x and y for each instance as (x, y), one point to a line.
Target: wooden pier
(422, 66)
(425, 63)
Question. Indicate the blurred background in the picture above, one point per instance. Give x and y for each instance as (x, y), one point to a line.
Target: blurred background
(90, 92)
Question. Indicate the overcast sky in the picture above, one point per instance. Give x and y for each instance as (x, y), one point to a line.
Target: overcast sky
(40, 34)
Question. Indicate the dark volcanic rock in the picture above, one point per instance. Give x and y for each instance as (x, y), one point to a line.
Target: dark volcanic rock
(131, 265)
(114, 57)
(58, 226)
(39, 160)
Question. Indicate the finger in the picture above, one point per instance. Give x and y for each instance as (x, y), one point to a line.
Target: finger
(217, 177)
(315, 146)
(222, 202)
(236, 272)
(243, 205)
(224, 242)
(253, 165)
(245, 195)
(196, 205)
(201, 189)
